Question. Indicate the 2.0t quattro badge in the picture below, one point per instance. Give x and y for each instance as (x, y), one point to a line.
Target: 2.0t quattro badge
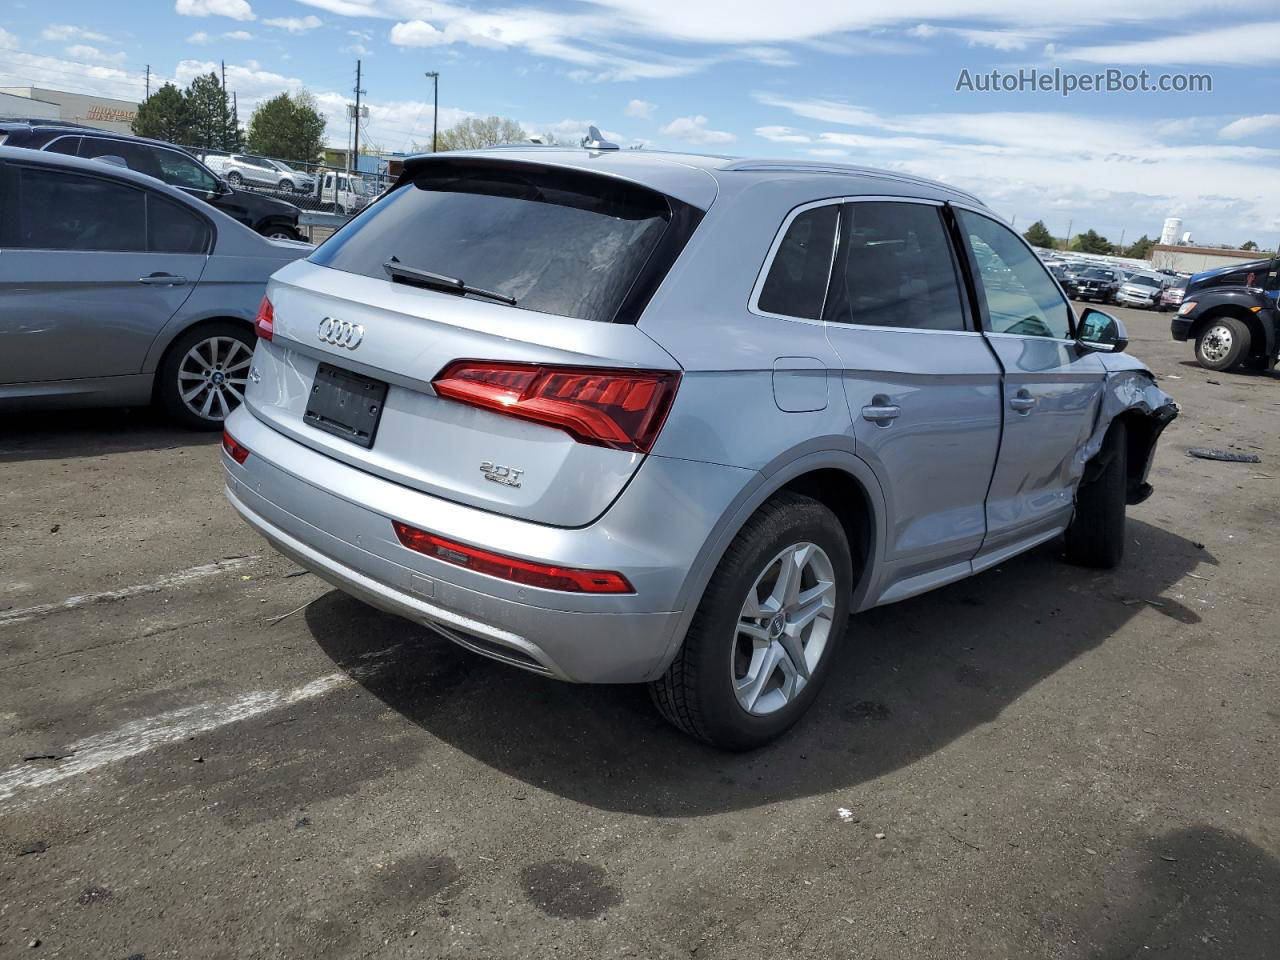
(508, 476)
(341, 333)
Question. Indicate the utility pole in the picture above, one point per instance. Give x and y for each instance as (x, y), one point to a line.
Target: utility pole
(148, 81)
(435, 109)
(1069, 223)
(356, 149)
(224, 105)
(1122, 231)
(235, 118)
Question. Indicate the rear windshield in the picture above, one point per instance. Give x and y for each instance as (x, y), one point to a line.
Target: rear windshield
(557, 242)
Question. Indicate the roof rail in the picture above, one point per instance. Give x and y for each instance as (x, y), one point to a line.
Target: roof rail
(846, 169)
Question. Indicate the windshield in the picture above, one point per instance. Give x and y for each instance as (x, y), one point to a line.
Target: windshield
(1142, 281)
(1095, 273)
(557, 242)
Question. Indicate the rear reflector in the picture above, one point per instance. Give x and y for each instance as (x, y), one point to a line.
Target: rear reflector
(510, 568)
(234, 450)
(620, 409)
(264, 324)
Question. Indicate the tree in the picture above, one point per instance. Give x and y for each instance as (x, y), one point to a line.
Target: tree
(1091, 242)
(287, 127)
(1248, 245)
(1038, 235)
(165, 115)
(473, 132)
(1140, 249)
(212, 125)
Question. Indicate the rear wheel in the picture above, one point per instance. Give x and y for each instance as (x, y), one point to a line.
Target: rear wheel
(204, 374)
(765, 633)
(1222, 344)
(234, 178)
(278, 231)
(1095, 537)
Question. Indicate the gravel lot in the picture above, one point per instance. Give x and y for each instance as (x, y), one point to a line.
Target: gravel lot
(1042, 761)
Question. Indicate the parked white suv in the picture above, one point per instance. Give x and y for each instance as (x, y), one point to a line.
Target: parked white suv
(238, 169)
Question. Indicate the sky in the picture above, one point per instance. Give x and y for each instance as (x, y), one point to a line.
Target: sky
(852, 81)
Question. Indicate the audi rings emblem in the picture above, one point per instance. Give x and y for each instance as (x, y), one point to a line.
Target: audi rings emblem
(341, 333)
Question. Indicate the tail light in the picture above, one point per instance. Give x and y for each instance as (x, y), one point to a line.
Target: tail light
(264, 323)
(542, 575)
(234, 450)
(620, 409)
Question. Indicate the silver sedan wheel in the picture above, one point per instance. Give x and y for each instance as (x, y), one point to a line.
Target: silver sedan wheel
(1216, 343)
(783, 628)
(213, 375)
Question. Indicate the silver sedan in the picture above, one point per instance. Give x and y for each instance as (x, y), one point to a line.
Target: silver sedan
(116, 289)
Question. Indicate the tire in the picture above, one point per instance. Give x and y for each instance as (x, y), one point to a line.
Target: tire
(234, 178)
(699, 692)
(1222, 343)
(287, 186)
(278, 231)
(1095, 536)
(220, 346)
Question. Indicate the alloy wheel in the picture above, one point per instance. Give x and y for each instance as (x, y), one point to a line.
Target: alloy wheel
(783, 628)
(1216, 343)
(213, 375)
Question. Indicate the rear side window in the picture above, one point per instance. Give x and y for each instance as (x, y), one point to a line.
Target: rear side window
(797, 282)
(558, 242)
(896, 270)
(171, 228)
(68, 211)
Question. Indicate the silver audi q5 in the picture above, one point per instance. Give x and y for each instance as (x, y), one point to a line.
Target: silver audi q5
(620, 417)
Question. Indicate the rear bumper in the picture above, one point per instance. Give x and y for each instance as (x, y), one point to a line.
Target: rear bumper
(336, 521)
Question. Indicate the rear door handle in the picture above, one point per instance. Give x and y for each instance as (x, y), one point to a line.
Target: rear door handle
(163, 280)
(881, 410)
(1022, 401)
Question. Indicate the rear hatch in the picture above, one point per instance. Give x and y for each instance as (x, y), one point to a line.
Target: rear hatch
(542, 408)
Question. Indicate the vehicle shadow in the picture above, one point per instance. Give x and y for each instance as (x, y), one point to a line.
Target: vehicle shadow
(910, 678)
(64, 434)
(1203, 893)
(1239, 371)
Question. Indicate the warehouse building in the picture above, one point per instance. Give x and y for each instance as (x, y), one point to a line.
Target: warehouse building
(1183, 259)
(105, 113)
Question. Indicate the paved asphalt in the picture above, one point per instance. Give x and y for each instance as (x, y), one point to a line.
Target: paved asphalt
(234, 761)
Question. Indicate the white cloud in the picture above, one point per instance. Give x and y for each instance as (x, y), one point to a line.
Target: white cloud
(1250, 126)
(294, 24)
(7, 40)
(783, 135)
(235, 9)
(1248, 43)
(238, 35)
(199, 38)
(78, 76)
(694, 130)
(640, 108)
(995, 39)
(82, 51)
(770, 56)
(66, 31)
(417, 33)
(359, 49)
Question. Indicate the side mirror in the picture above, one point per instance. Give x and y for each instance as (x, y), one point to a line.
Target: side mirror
(1101, 332)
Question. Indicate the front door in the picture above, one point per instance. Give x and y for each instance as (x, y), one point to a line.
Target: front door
(1052, 389)
(923, 387)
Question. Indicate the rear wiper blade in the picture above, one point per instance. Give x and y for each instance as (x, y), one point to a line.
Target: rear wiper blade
(438, 281)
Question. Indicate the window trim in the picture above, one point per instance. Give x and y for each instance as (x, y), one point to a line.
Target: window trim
(975, 276)
(753, 301)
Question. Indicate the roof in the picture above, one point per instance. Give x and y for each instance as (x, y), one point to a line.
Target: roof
(1208, 251)
(696, 178)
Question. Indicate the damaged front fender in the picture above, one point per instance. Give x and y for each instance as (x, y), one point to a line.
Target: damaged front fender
(1129, 392)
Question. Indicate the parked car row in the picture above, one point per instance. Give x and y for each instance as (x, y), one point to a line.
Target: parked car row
(1099, 283)
(268, 216)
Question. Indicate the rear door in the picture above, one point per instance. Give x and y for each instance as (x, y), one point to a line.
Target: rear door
(1052, 389)
(90, 269)
(923, 387)
(577, 252)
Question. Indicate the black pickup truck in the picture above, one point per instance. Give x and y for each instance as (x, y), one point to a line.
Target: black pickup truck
(1097, 283)
(1231, 315)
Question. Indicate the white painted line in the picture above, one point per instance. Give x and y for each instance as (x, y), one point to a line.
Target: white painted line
(139, 736)
(164, 583)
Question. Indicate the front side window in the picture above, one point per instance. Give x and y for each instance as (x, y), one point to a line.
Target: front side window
(558, 242)
(182, 171)
(1020, 295)
(69, 211)
(896, 269)
(796, 285)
